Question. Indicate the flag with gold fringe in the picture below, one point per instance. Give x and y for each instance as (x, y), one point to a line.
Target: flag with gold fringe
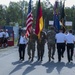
(39, 21)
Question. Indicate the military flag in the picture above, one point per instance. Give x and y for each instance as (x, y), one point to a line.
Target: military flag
(56, 17)
(39, 20)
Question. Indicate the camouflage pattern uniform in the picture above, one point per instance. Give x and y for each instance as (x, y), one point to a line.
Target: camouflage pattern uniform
(31, 46)
(41, 45)
(51, 43)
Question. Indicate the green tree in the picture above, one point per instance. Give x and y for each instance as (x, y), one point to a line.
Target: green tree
(2, 15)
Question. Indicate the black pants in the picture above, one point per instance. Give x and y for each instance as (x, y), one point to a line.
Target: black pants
(5, 40)
(21, 51)
(70, 49)
(60, 50)
(2, 40)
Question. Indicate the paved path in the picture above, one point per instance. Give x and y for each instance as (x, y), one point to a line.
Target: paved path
(9, 64)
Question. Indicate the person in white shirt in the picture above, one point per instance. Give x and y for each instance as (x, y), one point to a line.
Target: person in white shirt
(60, 41)
(70, 39)
(6, 38)
(22, 45)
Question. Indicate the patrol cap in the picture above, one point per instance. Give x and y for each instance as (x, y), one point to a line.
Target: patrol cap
(22, 32)
(70, 31)
(51, 27)
(61, 28)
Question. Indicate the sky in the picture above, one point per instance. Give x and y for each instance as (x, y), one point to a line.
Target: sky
(68, 3)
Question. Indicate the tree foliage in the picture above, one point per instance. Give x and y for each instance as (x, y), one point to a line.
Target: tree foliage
(16, 12)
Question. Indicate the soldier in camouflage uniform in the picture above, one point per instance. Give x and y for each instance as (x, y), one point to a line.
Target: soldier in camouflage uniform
(31, 45)
(41, 45)
(51, 43)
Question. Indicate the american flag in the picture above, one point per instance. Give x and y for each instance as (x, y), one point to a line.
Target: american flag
(29, 20)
